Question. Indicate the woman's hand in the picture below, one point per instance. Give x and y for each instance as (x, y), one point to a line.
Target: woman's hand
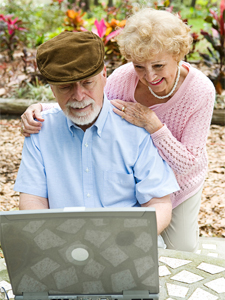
(138, 115)
(28, 124)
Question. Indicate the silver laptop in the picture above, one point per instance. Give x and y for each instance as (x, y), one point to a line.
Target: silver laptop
(82, 254)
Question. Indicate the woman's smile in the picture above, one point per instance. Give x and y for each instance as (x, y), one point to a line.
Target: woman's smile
(157, 82)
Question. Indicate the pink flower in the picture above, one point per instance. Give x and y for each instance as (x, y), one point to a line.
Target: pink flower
(101, 28)
(11, 24)
(112, 35)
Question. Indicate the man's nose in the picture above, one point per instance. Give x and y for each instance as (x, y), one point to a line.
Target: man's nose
(78, 91)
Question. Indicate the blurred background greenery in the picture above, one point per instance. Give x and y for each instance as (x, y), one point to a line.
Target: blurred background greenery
(25, 24)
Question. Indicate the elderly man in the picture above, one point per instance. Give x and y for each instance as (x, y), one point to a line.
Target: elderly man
(85, 154)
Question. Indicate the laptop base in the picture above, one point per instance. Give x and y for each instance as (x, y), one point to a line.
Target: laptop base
(136, 295)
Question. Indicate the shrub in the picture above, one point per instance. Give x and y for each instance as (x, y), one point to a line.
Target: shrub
(8, 33)
(217, 40)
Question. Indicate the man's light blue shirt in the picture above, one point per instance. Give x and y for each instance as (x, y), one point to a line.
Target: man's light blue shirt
(112, 163)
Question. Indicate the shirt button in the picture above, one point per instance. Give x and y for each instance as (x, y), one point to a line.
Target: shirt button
(86, 145)
(87, 170)
(88, 195)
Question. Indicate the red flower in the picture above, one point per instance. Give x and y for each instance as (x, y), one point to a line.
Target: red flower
(12, 25)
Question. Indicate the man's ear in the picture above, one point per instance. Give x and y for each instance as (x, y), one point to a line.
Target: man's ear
(104, 72)
(52, 90)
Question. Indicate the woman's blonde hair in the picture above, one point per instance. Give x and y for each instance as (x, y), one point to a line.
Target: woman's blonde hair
(149, 32)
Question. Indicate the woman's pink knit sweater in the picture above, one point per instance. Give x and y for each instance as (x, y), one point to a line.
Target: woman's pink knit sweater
(186, 118)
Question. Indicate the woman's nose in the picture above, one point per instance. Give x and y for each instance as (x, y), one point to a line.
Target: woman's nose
(150, 76)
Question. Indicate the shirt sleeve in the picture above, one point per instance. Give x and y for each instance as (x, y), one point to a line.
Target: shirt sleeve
(121, 83)
(184, 154)
(154, 177)
(31, 178)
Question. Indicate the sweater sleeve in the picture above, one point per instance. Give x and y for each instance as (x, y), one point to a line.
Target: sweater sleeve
(193, 121)
(121, 83)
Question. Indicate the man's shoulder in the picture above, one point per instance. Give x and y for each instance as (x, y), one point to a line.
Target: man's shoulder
(125, 127)
(51, 112)
(54, 119)
(53, 116)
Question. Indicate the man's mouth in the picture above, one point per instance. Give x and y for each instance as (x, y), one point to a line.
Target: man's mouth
(156, 82)
(81, 108)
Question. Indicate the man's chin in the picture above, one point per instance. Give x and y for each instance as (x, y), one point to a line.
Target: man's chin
(83, 120)
(82, 123)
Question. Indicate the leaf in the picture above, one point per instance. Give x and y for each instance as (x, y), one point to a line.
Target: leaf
(219, 88)
(208, 19)
(112, 35)
(215, 33)
(215, 16)
(101, 27)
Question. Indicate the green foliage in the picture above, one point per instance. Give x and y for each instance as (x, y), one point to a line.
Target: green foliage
(196, 24)
(48, 35)
(43, 22)
(216, 38)
(38, 92)
(97, 12)
(9, 27)
(194, 13)
(107, 28)
(38, 19)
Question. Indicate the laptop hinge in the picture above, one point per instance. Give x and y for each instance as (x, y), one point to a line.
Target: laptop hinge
(35, 296)
(136, 294)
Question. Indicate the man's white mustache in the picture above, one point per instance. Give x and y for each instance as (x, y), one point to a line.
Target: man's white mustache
(78, 104)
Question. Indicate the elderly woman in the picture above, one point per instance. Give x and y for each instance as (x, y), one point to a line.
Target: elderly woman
(171, 100)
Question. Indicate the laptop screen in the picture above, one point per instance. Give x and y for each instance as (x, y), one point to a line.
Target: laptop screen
(81, 251)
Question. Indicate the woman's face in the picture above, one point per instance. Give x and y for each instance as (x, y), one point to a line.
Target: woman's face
(158, 73)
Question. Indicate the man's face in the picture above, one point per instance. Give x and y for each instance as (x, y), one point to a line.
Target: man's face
(82, 101)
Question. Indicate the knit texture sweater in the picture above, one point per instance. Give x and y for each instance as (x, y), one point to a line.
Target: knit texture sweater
(186, 118)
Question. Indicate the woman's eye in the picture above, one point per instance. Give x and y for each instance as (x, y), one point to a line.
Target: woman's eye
(158, 66)
(138, 67)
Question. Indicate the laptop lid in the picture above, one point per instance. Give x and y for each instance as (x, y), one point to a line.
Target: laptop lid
(76, 253)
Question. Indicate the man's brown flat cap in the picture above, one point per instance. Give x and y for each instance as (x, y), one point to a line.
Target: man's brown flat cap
(71, 57)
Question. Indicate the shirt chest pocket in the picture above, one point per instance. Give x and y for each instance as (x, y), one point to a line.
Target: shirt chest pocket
(119, 189)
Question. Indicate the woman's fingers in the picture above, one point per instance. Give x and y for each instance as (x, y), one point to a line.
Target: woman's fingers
(118, 103)
(119, 108)
(31, 113)
(27, 128)
(131, 112)
(28, 123)
(137, 114)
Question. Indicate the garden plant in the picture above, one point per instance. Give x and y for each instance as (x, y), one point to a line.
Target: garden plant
(217, 40)
(24, 25)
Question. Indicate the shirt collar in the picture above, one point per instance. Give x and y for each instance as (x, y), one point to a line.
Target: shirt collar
(100, 122)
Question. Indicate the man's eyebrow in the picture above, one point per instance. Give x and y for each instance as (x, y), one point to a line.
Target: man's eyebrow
(63, 85)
